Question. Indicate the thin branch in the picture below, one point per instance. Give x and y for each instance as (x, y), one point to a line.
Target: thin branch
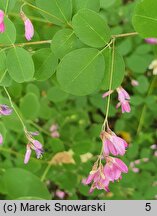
(27, 43)
(125, 35)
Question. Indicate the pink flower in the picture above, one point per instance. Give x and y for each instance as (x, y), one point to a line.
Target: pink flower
(122, 94)
(135, 170)
(113, 144)
(106, 94)
(54, 131)
(29, 29)
(134, 82)
(151, 40)
(125, 106)
(98, 178)
(153, 147)
(55, 134)
(60, 194)
(2, 26)
(28, 154)
(1, 139)
(5, 110)
(33, 145)
(123, 98)
(37, 146)
(114, 168)
(53, 127)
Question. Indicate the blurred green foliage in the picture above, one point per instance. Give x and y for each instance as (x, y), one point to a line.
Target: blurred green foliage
(79, 118)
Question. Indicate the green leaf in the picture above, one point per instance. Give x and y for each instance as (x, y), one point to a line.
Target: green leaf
(138, 63)
(45, 64)
(55, 94)
(45, 110)
(12, 123)
(119, 69)
(82, 147)
(91, 29)
(9, 36)
(106, 3)
(6, 80)
(92, 5)
(29, 106)
(9, 7)
(22, 183)
(81, 71)
(143, 86)
(2, 64)
(58, 12)
(145, 18)
(63, 42)
(20, 65)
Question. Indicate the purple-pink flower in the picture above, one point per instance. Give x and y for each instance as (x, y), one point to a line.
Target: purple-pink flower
(1, 139)
(2, 26)
(60, 194)
(28, 154)
(29, 29)
(123, 97)
(112, 143)
(151, 40)
(114, 168)
(33, 145)
(5, 110)
(54, 131)
(134, 82)
(98, 178)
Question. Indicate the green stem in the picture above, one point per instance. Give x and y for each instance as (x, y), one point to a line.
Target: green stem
(125, 35)
(28, 43)
(110, 85)
(37, 19)
(46, 172)
(6, 8)
(12, 105)
(142, 117)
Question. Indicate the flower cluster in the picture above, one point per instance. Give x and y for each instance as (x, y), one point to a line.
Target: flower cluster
(29, 29)
(32, 145)
(123, 98)
(101, 176)
(54, 131)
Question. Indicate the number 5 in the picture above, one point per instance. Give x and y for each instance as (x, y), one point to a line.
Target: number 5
(148, 207)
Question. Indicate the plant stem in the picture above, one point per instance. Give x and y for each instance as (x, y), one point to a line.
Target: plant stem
(142, 117)
(46, 172)
(125, 35)
(12, 105)
(6, 8)
(27, 43)
(110, 85)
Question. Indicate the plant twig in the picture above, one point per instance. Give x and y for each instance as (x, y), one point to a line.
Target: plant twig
(125, 35)
(27, 43)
